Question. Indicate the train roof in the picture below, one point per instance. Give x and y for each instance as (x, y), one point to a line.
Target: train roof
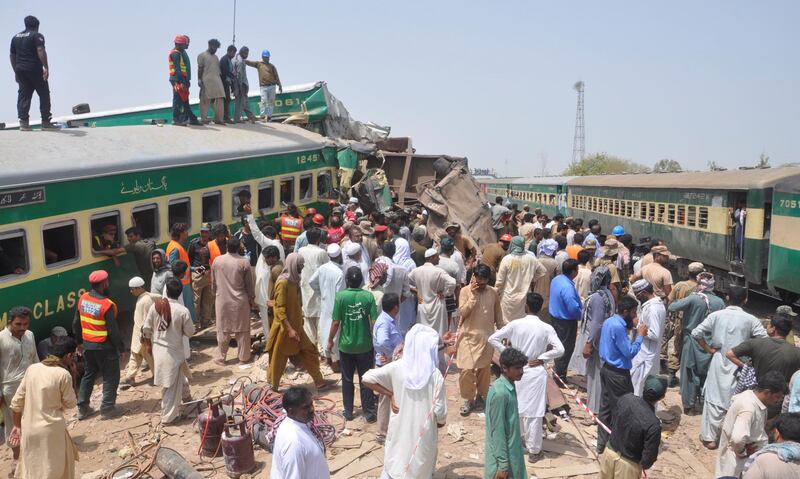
(542, 180)
(728, 179)
(496, 181)
(45, 156)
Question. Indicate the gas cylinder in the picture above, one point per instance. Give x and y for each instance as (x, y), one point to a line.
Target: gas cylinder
(211, 423)
(237, 448)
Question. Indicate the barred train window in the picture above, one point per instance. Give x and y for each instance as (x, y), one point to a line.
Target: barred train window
(266, 195)
(146, 218)
(212, 207)
(671, 214)
(661, 215)
(287, 190)
(651, 211)
(681, 215)
(691, 219)
(628, 209)
(178, 211)
(703, 221)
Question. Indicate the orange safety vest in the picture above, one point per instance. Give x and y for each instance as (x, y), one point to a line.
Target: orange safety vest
(184, 256)
(290, 228)
(213, 251)
(92, 312)
(182, 65)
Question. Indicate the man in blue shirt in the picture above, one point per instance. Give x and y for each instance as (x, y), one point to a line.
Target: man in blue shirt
(565, 310)
(385, 338)
(617, 352)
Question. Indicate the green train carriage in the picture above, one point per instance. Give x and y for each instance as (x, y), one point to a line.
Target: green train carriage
(548, 193)
(57, 190)
(691, 212)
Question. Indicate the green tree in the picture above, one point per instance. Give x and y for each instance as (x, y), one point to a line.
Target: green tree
(667, 166)
(604, 164)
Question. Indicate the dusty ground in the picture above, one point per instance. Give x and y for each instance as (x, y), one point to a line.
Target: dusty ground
(103, 443)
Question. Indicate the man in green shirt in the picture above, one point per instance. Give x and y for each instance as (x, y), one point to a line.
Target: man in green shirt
(504, 454)
(354, 313)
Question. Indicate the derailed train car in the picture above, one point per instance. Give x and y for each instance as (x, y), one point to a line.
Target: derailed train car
(693, 213)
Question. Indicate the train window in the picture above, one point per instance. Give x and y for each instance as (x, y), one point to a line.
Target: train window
(105, 231)
(179, 211)
(671, 214)
(651, 211)
(266, 195)
(306, 190)
(629, 209)
(13, 254)
(60, 243)
(212, 207)
(240, 196)
(661, 213)
(324, 185)
(703, 220)
(146, 219)
(643, 211)
(635, 212)
(287, 190)
(681, 215)
(551, 199)
(691, 219)
(616, 207)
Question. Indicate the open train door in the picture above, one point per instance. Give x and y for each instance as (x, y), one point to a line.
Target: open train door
(784, 243)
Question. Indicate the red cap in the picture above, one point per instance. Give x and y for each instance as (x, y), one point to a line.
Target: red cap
(311, 211)
(182, 39)
(98, 276)
(380, 228)
(506, 237)
(318, 219)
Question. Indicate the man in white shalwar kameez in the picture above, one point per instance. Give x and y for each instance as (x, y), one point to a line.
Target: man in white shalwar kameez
(727, 329)
(652, 313)
(397, 281)
(408, 304)
(326, 282)
(139, 354)
(414, 386)
(314, 257)
(433, 284)
(515, 278)
(166, 326)
(299, 451)
(539, 342)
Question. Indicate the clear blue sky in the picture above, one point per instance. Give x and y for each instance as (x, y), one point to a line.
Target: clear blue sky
(687, 80)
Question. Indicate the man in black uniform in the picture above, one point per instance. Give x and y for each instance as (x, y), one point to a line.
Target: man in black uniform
(29, 62)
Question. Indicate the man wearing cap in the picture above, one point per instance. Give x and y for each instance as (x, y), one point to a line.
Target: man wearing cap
(314, 257)
(515, 278)
(369, 241)
(653, 313)
(717, 334)
(592, 235)
(788, 312)
(180, 75)
(268, 80)
(493, 253)
(326, 282)
(694, 360)
(608, 258)
(210, 80)
(656, 273)
(17, 353)
(291, 225)
(200, 266)
(464, 245)
(636, 435)
(45, 346)
(139, 351)
(433, 285)
(674, 329)
(418, 237)
(95, 326)
(449, 261)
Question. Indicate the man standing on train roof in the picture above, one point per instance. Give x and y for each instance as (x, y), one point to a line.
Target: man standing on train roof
(209, 77)
(226, 74)
(241, 87)
(268, 80)
(31, 71)
(180, 74)
(95, 327)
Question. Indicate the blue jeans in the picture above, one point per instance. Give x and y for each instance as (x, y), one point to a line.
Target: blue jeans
(268, 100)
(105, 363)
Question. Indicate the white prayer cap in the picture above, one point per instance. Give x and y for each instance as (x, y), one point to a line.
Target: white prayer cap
(430, 252)
(351, 248)
(353, 199)
(136, 282)
(334, 250)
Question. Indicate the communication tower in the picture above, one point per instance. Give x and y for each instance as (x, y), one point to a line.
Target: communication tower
(579, 142)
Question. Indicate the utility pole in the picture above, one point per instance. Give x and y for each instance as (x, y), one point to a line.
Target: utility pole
(579, 142)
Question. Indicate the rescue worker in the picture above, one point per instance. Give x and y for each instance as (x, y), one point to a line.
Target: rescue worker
(291, 226)
(180, 74)
(268, 80)
(176, 252)
(95, 326)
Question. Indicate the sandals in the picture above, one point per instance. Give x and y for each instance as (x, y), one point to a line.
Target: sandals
(466, 408)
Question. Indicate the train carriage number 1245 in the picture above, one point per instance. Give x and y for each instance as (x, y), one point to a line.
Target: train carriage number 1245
(303, 159)
(789, 203)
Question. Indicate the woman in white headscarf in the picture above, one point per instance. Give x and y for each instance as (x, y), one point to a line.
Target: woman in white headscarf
(408, 306)
(402, 254)
(416, 387)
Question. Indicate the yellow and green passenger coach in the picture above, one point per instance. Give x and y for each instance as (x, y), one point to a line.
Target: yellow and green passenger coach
(59, 189)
